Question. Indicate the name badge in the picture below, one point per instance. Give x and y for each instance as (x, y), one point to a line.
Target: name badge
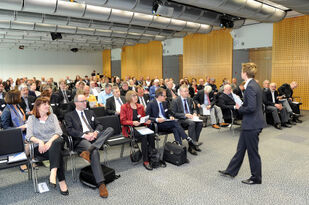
(32, 103)
(92, 119)
(139, 116)
(3, 105)
(43, 122)
(165, 110)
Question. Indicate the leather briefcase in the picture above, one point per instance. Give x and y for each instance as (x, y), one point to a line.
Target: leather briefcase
(175, 153)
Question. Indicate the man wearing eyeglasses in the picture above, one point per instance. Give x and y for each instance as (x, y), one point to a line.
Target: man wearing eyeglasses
(88, 137)
(158, 111)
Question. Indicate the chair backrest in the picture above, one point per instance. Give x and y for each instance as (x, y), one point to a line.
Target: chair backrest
(99, 111)
(11, 142)
(111, 121)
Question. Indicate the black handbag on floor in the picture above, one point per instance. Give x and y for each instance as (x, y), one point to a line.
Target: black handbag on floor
(135, 153)
(86, 176)
(175, 153)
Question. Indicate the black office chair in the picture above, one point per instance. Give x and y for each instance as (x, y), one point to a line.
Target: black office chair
(99, 111)
(118, 138)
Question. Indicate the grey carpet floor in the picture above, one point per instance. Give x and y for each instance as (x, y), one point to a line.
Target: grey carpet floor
(285, 165)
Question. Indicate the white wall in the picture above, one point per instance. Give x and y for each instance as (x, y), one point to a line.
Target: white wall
(58, 64)
(116, 54)
(173, 47)
(253, 36)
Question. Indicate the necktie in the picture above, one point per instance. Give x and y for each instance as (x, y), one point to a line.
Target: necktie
(186, 106)
(27, 104)
(85, 121)
(162, 110)
(119, 101)
(65, 97)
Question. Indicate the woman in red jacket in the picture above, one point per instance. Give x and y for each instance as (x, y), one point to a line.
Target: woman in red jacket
(130, 114)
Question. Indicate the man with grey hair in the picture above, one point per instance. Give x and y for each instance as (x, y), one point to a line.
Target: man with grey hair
(27, 101)
(205, 100)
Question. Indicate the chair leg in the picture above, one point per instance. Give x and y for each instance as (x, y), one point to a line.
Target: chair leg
(122, 150)
(164, 142)
(34, 177)
(73, 165)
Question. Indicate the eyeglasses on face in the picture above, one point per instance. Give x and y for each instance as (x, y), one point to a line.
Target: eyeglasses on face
(82, 101)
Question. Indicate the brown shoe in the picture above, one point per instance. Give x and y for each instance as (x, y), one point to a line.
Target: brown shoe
(215, 126)
(224, 124)
(85, 155)
(103, 191)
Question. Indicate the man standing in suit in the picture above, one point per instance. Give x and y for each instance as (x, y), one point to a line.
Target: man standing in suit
(158, 112)
(252, 125)
(143, 98)
(88, 137)
(183, 109)
(273, 106)
(113, 104)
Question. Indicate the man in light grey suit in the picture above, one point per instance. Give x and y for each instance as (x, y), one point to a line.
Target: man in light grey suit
(183, 109)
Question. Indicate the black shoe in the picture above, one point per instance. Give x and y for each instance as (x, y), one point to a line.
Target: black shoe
(225, 174)
(298, 121)
(278, 126)
(200, 143)
(187, 161)
(251, 182)
(194, 146)
(197, 149)
(194, 143)
(148, 166)
(192, 151)
(52, 185)
(291, 122)
(64, 193)
(162, 164)
(286, 125)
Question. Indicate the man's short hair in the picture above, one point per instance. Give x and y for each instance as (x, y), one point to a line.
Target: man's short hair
(108, 85)
(22, 86)
(78, 93)
(115, 88)
(159, 92)
(208, 89)
(250, 69)
(184, 86)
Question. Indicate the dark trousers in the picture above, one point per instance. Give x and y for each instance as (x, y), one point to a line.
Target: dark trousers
(295, 107)
(275, 113)
(148, 142)
(54, 156)
(95, 163)
(194, 128)
(248, 140)
(173, 126)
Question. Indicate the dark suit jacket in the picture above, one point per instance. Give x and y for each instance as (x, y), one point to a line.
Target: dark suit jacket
(238, 92)
(178, 109)
(267, 98)
(74, 125)
(31, 101)
(252, 109)
(60, 97)
(286, 90)
(200, 87)
(153, 110)
(199, 98)
(2, 104)
(124, 92)
(225, 102)
(111, 106)
(146, 99)
(169, 96)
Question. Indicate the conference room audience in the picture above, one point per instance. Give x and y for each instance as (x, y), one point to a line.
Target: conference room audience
(130, 114)
(183, 109)
(44, 131)
(88, 137)
(206, 98)
(273, 106)
(113, 104)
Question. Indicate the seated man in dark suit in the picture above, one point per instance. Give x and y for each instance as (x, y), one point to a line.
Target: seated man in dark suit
(239, 90)
(170, 92)
(88, 137)
(227, 103)
(27, 101)
(286, 90)
(271, 102)
(206, 98)
(113, 104)
(184, 110)
(63, 94)
(143, 98)
(158, 111)
(124, 88)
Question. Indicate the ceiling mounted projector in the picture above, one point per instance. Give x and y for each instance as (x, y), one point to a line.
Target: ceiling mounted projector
(160, 8)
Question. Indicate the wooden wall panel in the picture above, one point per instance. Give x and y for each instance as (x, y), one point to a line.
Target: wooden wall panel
(262, 57)
(208, 55)
(290, 55)
(142, 60)
(107, 68)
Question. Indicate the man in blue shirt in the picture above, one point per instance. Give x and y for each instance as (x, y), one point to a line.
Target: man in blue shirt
(104, 95)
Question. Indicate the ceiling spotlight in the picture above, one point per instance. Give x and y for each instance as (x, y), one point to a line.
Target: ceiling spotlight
(74, 50)
(226, 22)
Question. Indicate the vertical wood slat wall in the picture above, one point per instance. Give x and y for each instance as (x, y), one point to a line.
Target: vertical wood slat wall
(107, 68)
(290, 58)
(208, 55)
(142, 60)
(262, 57)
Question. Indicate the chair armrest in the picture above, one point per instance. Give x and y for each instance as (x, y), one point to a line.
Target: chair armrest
(68, 139)
(156, 129)
(131, 134)
(31, 151)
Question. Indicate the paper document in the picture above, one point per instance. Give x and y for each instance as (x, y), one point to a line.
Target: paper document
(237, 99)
(205, 110)
(42, 187)
(295, 102)
(196, 119)
(144, 119)
(17, 157)
(144, 130)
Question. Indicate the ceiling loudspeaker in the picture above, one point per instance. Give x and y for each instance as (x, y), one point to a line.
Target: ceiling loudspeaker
(55, 36)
